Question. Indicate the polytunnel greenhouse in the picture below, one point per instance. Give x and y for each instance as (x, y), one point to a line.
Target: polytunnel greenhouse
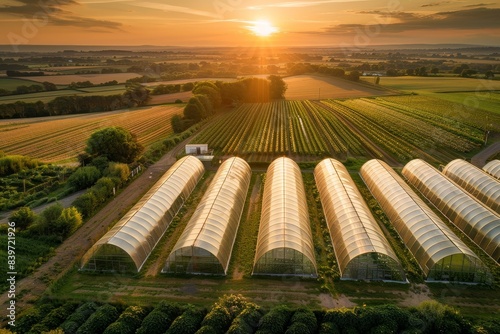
(206, 243)
(284, 243)
(361, 248)
(476, 182)
(439, 252)
(493, 168)
(478, 222)
(128, 244)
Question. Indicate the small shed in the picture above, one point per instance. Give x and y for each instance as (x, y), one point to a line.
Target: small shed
(197, 149)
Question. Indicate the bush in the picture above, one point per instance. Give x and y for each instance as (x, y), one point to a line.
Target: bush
(305, 317)
(128, 322)
(118, 170)
(11, 164)
(75, 320)
(103, 189)
(247, 321)
(86, 204)
(188, 322)
(68, 222)
(23, 218)
(54, 319)
(157, 321)
(84, 177)
(275, 321)
(98, 321)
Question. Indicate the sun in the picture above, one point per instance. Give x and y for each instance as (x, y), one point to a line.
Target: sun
(262, 28)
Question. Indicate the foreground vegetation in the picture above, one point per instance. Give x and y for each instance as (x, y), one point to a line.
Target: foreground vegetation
(234, 314)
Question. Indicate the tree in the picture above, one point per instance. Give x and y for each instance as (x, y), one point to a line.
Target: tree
(353, 76)
(177, 123)
(435, 70)
(23, 217)
(115, 143)
(489, 75)
(68, 222)
(84, 177)
(136, 95)
(277, 87)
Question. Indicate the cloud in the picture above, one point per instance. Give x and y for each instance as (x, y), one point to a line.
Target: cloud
(299, 4)
(56, 14)
(470, 19)
(176, 9)
(434, 4)
(480, 5)
(26, 7)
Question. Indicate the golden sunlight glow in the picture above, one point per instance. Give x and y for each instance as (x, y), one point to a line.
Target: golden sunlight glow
(262, 28)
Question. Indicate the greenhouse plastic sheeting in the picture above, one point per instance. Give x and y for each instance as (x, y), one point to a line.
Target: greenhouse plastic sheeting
(439, 252)
(476, 182)
(129, 243)
(361, 248)
(480, 223)
(206, 243)
(284, 243)
(493, 168)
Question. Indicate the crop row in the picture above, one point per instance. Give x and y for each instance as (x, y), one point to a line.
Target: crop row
(284, 127)
(64, 138)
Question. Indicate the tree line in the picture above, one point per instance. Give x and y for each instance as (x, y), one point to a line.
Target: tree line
(135, 95)
(208, 96)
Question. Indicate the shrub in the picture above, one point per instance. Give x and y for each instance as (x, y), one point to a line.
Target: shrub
(188, 322)
(84, 177)
(54, 319)
(305, 317)
(75, 320)
(98, 321)
(128, 322)
(158, 320)
(275, 321)
(23, 218)
(86, 204)
(68, 222)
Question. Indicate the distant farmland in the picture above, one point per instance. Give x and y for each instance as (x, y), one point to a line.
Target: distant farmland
(313, 87)
(96, 79)
(437, 84)
(60, 139)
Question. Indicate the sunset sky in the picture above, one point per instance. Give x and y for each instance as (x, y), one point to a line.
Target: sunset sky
(245, 22)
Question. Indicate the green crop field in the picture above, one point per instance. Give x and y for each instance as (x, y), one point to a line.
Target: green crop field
(405, 127)
(10, 83)
(438, 84)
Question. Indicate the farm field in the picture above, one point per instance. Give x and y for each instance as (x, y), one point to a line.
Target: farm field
(314, 87)
(437, 84)
(41, 96)
(403, 127)
(61, 139)
(11, 83)
(94, 78)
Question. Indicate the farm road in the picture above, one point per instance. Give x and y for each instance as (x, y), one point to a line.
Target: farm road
(479, 160)
(69, 253)
(65, 202)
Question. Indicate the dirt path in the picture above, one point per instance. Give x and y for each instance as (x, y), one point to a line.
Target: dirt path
(479, 160)
(68, 254)
(65, 202)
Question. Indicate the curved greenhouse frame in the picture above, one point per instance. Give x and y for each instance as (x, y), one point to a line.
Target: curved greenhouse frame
(206, 243)
(439, 252)
(361, 248)
(128, 244)
(284, 243)
(476, 182)
(493, 168)
(478, 222)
